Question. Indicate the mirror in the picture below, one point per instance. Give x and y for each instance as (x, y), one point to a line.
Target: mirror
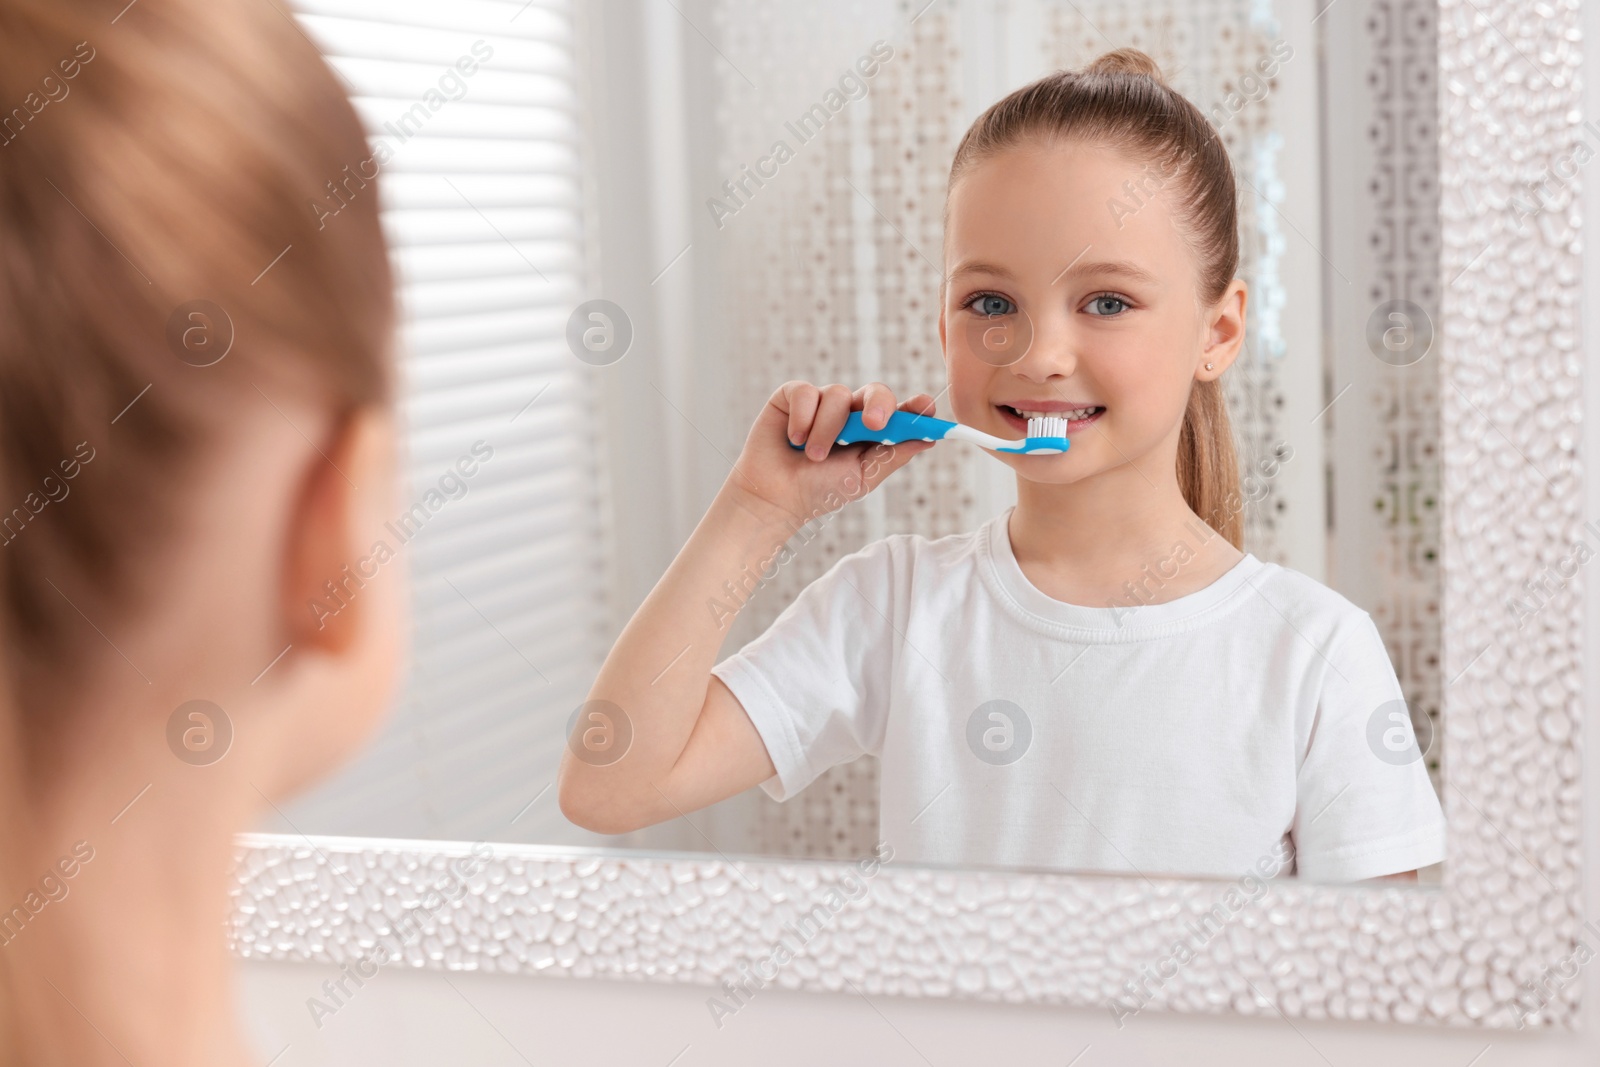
(617, 239)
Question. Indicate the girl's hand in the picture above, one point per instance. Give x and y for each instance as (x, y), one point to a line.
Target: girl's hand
(806, 485)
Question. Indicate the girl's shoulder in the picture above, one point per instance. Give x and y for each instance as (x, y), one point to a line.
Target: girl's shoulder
(1303, 599)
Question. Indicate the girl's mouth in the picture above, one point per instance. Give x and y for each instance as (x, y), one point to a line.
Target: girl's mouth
(1019, 421)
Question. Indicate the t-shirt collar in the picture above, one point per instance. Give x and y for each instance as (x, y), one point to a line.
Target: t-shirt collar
(1126, 618)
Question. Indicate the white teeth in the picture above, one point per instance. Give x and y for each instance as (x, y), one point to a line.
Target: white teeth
(1069, 415)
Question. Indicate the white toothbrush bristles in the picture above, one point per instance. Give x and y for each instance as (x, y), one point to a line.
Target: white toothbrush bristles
(1047, 426)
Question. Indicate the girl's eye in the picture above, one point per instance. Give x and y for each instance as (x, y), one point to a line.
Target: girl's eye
(1107, 304)
(990, 304)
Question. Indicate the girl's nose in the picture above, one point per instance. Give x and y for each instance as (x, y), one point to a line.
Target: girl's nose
(1050, 355)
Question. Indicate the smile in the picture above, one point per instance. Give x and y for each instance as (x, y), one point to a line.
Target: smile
(1077, 418)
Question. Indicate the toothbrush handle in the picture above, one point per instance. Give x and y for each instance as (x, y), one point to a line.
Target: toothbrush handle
(902, 426)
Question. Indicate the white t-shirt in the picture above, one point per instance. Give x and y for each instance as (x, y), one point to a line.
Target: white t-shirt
(1194, 737)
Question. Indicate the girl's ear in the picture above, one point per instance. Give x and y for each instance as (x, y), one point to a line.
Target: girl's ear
(1225, 332)
(943, 351)
(341, 489)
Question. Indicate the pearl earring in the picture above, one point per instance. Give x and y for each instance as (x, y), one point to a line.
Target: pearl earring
(1208, 366)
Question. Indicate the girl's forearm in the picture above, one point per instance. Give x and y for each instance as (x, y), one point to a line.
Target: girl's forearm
(657, 673)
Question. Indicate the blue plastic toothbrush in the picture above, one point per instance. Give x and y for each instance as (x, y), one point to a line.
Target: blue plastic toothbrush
(1046, 435)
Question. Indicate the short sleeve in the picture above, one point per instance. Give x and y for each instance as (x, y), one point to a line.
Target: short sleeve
(816, 683)
(1365, 804)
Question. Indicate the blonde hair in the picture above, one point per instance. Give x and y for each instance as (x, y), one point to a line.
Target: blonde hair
(178, 156)
(1122, 101)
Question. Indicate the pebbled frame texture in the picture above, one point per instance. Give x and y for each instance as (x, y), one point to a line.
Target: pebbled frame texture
(1499, 944)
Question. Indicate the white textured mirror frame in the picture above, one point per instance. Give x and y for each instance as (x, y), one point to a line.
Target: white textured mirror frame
(1499, 944)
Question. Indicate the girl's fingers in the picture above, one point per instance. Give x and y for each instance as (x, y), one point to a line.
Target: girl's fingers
(832, 411)
(801, 399)
(875, 402)
(816, 415)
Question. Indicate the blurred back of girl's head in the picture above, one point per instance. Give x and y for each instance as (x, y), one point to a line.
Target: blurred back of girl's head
(166, 171)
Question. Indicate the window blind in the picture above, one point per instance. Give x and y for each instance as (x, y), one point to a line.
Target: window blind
(472, 111)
